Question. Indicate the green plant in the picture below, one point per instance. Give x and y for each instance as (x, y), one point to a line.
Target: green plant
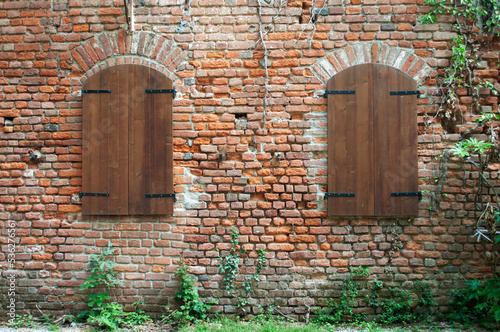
(102, 279)
(230, 264)
(108, 315)
(192, 309)
(138, 316)
(22, 321)
(426, 301)
(471, 146)
(398, 308)
(341, 310)
(247, 285)
(54, 327)
(361, 271)
(476, 22)
(480, 301)
(229, 268)
(112, 317)
(374, 297)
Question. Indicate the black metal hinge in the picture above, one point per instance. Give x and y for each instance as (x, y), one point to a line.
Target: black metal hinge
(404, 93)
(160, 195)
(339, 92)
(172, 91)
(339, 195)
(416, 193)
(96, 91)
(93, 194)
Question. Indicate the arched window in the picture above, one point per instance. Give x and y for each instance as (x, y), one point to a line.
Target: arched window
(127, 142)
(372, 142)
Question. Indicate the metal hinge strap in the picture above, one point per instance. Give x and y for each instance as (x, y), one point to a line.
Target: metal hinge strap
(339, 195)
(415, 193)
(93, 194)
(404, 93)
(172, 91)
(160, 195)
(96, 91)
(339, 92)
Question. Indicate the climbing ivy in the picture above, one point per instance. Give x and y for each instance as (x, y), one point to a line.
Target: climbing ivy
(229, 268)
(477, 24)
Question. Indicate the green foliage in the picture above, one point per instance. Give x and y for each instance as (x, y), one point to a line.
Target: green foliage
(398, 308)
(374, 297)
(102, 279)
(480, 301)
(483, 13)
(477, 22)
(271, 325)
(426, 301)
(107, 315)
(112, 317)
(138, 316)
(230, 266)
(22, 321)
(247, 285)
(471, 146)
(342, 310)
(361, 271)
(230, 263)
(192, 309)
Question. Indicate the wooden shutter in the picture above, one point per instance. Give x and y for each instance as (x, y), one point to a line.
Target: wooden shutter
(127, 142)
(350, 143)
(372, 142)
(105, 146)
(395, 136)
(151, 144)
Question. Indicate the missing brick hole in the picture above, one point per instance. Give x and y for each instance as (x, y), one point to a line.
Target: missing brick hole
(241, 116)
(9, 120)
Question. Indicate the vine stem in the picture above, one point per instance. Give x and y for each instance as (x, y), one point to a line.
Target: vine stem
(264, 30)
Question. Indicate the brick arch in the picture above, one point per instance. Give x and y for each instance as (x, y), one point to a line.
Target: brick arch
(113, 48)
(371, 52)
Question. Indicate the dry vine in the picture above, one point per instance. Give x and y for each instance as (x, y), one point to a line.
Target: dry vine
(264, 30)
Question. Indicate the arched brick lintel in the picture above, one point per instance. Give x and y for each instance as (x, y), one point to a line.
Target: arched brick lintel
(371, 52)
(118, 47)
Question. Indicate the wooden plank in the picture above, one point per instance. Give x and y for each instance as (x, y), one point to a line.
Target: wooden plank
(331, 203)
(94, 163)
(137, 141)
(408, 162)
(89, 144)
(350, 155)
(118, 140)
(104, 140)
(395, 143)
(363, 137)
(160, 179)
(385, 141)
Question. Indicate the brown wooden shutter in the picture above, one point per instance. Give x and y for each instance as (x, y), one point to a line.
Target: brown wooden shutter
(151, 146)
(372, 143)
(105, 146)
(127, 142)
(350, 143)
(396, 145)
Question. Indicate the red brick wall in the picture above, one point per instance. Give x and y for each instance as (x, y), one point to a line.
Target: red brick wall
(49, 48)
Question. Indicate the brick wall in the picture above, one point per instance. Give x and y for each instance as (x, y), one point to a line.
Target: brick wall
(227, 170)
